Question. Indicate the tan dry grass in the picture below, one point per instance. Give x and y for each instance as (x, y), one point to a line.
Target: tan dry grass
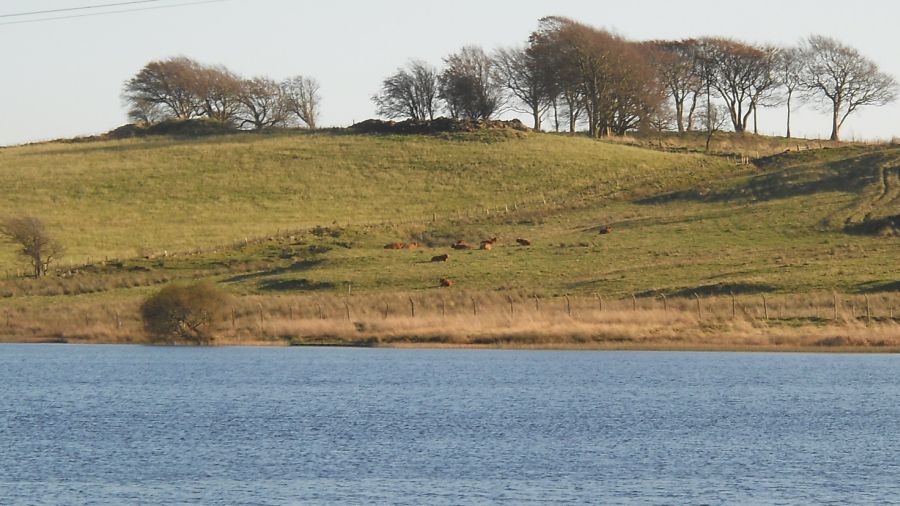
(448, 320)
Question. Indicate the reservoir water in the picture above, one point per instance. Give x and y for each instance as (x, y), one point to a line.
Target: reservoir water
(155, 425)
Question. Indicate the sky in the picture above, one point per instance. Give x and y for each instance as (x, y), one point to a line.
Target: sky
(63, 78)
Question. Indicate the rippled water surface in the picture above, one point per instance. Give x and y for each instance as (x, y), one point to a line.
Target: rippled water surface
(131, 424)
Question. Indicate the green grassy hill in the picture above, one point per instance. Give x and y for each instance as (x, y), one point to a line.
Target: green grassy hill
(298, 212)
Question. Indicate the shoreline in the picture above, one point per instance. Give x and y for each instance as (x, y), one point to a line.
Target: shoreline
(561, 346)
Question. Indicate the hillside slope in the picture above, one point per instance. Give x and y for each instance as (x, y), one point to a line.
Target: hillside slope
(120, 199)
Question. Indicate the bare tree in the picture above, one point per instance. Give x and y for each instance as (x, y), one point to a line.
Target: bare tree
(789, 68)
(469, 86)
(301, 98)
(411, 92)
(552, 52)
(741, 74)
(217, 90)
(715, 117)
(843, 80)
(520, 71)
(37, 245)
(676, 66)
(262, 104)
(168, 85)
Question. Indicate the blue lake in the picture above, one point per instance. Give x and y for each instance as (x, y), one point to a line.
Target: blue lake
(155, 425)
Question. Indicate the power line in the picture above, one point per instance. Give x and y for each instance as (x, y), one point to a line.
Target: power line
(82, 8)
(121, 11)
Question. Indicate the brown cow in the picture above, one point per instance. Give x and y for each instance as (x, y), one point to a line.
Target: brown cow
(440, 258)
(412, 245)
(394, 245)
(523, 242)
(461, 245)
(605, 230)
(486, 245)
(447, 282)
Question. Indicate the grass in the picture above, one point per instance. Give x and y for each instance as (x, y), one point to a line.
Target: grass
(298, 219)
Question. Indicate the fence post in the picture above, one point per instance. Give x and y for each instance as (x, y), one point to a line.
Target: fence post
(699, 311)
(118, 321)
(261, 318)
(412, 307)
(443, 312)
(733, 307)
(633, 303)
(512, 310)
(600, 300)
(665, 302)
(347, 307)
(765, 307)
(474, 307)
(834, 306)
(232, 319)
(568, 306)
(868, 313)
(537, 303)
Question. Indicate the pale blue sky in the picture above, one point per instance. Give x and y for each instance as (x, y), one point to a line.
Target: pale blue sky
(63, 78)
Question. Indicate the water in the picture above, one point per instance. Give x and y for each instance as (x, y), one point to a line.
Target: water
(130, 424)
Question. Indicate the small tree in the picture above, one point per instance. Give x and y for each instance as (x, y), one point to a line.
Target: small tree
(842, 80)
(411, 92)
(186, 312)
(301, 99)
(37, 245)
(469, 85)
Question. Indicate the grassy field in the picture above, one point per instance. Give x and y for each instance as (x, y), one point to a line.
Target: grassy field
(294, 221)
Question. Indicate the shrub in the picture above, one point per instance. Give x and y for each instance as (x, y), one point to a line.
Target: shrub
(185, 312)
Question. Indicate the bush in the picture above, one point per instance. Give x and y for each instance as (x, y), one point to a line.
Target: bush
(185, 312)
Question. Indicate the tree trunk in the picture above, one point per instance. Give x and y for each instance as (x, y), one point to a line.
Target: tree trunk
(755, 127)
(679, 115)
(836, 123)
(789, 115)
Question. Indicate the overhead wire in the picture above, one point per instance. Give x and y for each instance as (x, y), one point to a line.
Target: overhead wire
(81, 8)
(105, 13)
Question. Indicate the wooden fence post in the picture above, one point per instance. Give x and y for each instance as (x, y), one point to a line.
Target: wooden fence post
(512, 310)
(699, 311)
(868, 312)
(600, 300)
(347, 307)
(443, 309)
(537, 303)
(765, 307)
(474, 307)
(412, 307)
(665, 302)
(633, 302)
(232, 319)
(733, 307)
(834, 306)
(568, 306)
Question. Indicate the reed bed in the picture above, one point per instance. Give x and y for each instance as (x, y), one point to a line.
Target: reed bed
(502, 319)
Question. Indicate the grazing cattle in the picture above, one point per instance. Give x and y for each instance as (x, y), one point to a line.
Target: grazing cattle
(523, 242)
(394, 245)
(440, 258)
(412, 245)
(447, 282)
(605, 230)
(486, 245)
(461, 245)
